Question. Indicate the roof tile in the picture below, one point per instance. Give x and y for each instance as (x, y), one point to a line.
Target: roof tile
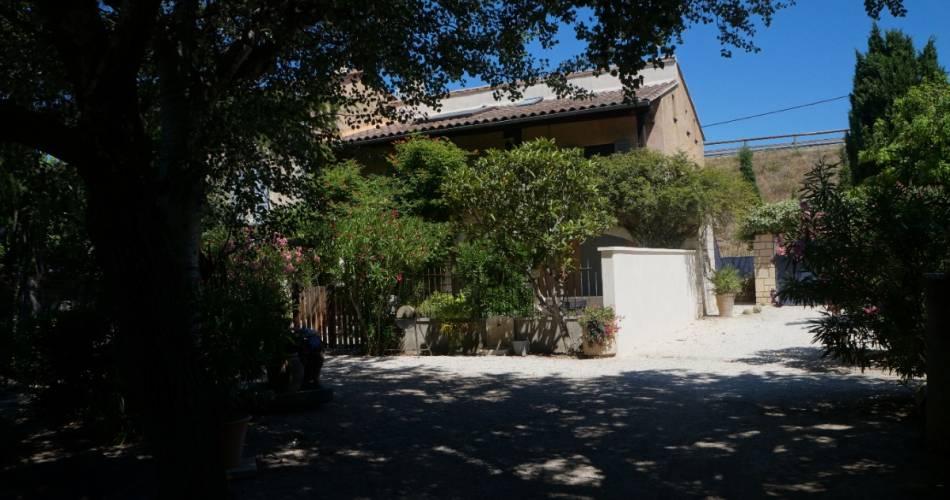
(496, 114)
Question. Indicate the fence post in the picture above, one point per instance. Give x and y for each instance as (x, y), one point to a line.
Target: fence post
(938, 360)
(764, 249)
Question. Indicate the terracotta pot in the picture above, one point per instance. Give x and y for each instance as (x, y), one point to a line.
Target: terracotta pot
(596, 350)
(232, 437)
(724, 302)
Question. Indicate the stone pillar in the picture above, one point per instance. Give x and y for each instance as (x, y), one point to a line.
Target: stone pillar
(764, 251)
(938, 358)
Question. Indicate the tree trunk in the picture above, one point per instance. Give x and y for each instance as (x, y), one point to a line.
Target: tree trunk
(148, 242)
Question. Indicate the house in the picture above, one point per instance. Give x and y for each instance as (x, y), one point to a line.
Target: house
(661, 117)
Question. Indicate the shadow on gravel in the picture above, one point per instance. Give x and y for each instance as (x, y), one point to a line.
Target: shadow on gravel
(421, 432)
(809, 359)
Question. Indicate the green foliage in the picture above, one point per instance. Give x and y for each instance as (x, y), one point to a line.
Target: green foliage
(373, 246)
(867, 249)
(245, 304)
(747, 169)
(911, 144)
(56, 341)
(770, 218)
(446, 307)
(533, 203)
(662, 199)
(726, 279)
(422, 164)
(886, 72)
(600, 325)
(491, 284)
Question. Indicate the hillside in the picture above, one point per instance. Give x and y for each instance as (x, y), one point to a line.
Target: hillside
(779, 172)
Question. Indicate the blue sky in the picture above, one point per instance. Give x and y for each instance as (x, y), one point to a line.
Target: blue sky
(806, 55)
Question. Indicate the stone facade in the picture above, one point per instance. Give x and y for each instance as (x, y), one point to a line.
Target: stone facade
(764, 251)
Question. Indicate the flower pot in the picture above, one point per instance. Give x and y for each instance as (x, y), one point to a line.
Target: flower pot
(286, 375)
(232, 436)
(724, 302)
(595, 349)
(519, 347)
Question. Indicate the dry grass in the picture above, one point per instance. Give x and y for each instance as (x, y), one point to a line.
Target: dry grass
(779, 172)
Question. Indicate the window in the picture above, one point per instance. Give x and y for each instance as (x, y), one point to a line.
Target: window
(599, 150)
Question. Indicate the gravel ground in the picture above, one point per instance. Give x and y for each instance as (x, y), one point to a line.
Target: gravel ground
(739, 407)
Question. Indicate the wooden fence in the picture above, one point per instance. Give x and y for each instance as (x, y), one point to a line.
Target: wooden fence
(327, 311)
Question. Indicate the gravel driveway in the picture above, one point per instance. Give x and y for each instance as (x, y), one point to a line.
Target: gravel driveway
(740, 407)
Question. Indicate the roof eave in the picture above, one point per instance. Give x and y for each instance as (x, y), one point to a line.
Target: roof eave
(641, 103)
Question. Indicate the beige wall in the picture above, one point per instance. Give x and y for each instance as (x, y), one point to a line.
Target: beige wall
(672, 126)
(588, 132)
(653, 290)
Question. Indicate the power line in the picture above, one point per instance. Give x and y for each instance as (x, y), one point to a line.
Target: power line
(774, 112)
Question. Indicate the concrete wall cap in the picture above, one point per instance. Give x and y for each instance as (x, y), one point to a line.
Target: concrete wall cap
(646, 251)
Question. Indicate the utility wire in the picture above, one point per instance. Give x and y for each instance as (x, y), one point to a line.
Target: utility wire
(774, 112)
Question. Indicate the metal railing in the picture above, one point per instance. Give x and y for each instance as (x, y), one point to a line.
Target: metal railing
(795, 142)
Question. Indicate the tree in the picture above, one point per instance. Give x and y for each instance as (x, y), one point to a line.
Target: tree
(534, 203)
(890, 67)
(867, 247)
(156, 102)
(911, 145)
(747, 169)
(374, 244)
(423, 163)
(663, 200)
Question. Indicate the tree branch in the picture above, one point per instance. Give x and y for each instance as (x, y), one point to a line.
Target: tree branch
(246, 59)
(40, 131)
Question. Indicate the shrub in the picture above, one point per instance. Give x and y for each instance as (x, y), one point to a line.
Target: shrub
(490, 283)
(245, 304)
(867, 249)
(534, 203)
(599, 324)
(663, 200)
(455, 316)
(445, 306)
(769, 218)
(422, 164)
(726, 279)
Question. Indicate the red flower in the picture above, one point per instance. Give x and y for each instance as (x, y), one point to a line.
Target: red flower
(399, 278)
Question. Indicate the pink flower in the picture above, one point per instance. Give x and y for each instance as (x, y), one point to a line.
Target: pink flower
(399, 278)
(289, 268)
(281, 241)
(872, 310)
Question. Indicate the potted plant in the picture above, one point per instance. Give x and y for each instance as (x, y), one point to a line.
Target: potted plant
(599, 327)
(245, 318)
(727, 282)
(456, 326)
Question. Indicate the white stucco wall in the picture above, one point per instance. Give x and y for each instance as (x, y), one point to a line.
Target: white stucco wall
(655, 290)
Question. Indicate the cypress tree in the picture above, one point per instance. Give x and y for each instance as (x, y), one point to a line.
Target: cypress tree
(890, 67)
(746, 168)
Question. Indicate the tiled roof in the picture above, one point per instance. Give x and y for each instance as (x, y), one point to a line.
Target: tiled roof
(499, 114)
